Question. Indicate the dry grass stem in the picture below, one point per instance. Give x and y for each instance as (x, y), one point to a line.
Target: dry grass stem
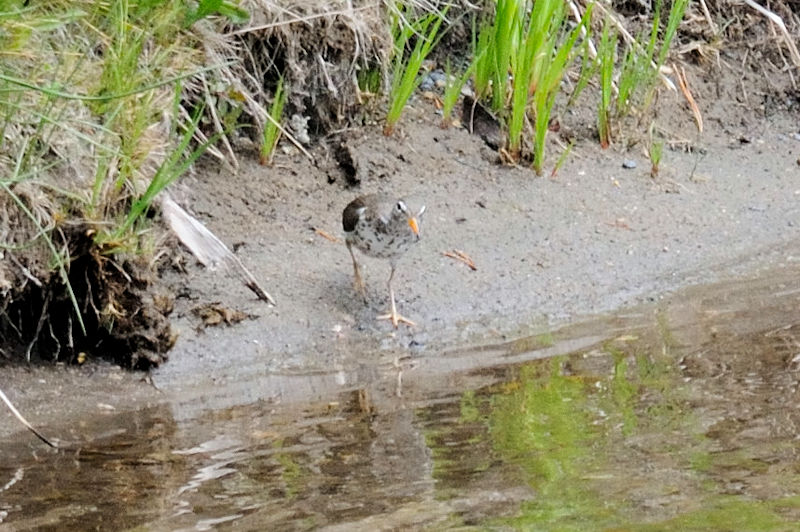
(307, 18)
(217, 126)
(24, 421)
(576, 14)
(707, 15)
(684, 85)
(462, 257)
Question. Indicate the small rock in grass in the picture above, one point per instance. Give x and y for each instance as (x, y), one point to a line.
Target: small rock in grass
(630, 164)
(435, 79)
(299, 125)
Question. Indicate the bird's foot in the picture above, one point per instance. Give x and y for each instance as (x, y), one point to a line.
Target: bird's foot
(396, 318)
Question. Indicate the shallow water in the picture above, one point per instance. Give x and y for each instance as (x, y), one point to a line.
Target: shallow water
(683, 415)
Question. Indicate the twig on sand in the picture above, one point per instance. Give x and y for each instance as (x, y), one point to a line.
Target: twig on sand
(778, 21)
(25, 421)
(461, 256)
(326, 235)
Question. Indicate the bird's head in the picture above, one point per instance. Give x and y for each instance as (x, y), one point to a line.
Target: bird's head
(402, 214)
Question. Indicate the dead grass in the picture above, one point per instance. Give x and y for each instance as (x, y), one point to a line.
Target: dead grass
(319, 48)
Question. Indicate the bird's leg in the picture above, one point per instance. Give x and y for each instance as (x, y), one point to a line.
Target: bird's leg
(358, 282)
(393, 315)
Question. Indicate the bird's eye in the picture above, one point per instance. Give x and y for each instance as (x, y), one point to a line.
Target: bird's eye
(400, 206)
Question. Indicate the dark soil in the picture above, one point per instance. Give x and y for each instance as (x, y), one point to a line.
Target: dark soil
(124, 316)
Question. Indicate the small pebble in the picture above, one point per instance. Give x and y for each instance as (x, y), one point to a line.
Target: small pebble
(629, 164)
(438, 75)
(299, 125)
(796, 136)
(433, 80)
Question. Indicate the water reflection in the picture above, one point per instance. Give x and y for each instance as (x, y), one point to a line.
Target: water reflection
(680, 417)
(113, 483)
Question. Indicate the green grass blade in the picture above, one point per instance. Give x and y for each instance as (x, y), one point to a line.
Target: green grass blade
(271, 131)
(170, 170)
(550, 75)
(675, 17)
(605, 56)
(406, 72)
(506, 26)
(453, 90)
(588, 70)
(483, 64)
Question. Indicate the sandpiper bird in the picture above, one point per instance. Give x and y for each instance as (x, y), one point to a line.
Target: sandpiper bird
(380, 226)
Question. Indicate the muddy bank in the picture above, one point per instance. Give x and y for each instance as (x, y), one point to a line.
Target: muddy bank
(595, 238)
(547, 251)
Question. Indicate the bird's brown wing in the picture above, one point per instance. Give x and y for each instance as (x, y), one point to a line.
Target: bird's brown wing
(353, 211)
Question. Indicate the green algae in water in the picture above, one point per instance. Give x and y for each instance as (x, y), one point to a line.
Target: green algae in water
(586, 446)
(545, 427)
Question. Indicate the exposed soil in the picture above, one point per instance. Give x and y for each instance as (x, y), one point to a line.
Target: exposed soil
(124, 315)
(547, 250)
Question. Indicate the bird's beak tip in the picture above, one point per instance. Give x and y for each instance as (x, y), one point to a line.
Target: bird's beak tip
(412, 222)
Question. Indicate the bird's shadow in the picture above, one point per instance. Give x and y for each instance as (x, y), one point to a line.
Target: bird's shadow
(343, 296)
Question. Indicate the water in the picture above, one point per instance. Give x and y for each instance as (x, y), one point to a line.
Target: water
(684, 415)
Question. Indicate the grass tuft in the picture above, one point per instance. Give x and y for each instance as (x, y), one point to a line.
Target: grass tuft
(272, 132)
(532, 42)
(424, 33)
(452, 91)
(606, 52)
(552, 71)
(89, 138)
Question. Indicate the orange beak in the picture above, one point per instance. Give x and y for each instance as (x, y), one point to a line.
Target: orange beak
(412, 222)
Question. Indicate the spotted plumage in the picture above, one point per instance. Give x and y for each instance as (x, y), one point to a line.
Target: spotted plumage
(380, 226)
